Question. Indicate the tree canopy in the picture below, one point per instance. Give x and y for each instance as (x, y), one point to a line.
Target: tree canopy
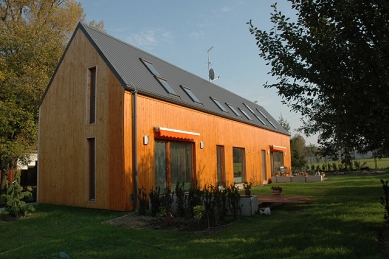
(34, 34)
(298, 151)
(331, 64)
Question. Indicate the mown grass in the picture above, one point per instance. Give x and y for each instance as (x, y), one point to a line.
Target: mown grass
(382, 163)
(342, 221)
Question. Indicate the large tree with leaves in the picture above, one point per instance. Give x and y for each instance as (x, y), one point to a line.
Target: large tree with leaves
(331, 64)
(34, 34)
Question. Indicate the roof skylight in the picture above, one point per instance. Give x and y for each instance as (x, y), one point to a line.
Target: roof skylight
(190, 94)
(256, 116)
(233, 109)
(245, 114)
(221, 107)
(159, 77)
(261, 113)
(248, 107)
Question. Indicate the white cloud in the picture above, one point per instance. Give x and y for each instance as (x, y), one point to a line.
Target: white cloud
(149, 38)
(197, 35)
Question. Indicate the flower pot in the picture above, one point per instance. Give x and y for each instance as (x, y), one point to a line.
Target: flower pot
(276, 192)
(247, 192)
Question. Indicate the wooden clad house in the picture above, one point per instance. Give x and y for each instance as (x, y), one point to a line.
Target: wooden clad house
(115, 118)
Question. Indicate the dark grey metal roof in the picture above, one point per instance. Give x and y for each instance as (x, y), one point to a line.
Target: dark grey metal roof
(125, 61)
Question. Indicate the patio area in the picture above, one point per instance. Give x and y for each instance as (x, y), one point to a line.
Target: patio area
(270, 198)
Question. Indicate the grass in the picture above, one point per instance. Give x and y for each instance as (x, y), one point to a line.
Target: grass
(343, 221)
(381, 163)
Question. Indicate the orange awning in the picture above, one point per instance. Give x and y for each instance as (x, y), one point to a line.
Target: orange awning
(176, 134)
(277, 148)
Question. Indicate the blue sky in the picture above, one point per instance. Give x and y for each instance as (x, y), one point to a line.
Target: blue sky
(181, 32)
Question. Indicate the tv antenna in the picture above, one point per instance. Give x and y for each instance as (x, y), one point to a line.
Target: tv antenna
(211, 72)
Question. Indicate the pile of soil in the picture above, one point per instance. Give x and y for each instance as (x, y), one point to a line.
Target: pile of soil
(136, 221)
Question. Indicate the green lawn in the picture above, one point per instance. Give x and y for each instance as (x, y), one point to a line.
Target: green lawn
(343, 221)
(381, 163)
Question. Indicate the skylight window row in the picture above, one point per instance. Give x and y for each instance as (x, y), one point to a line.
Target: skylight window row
(165, 84)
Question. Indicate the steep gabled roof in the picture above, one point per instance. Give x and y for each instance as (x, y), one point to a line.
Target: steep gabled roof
(130, 66)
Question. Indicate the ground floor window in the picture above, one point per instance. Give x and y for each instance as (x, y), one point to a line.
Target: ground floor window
(173, 163)
(239, 164)
(220, 167)
(91, 169)
(277, 160)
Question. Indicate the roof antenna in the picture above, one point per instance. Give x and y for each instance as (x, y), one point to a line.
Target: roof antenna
(211, 72)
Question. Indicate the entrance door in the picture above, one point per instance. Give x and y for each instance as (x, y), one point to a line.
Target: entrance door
(173, 163)
(264, 174)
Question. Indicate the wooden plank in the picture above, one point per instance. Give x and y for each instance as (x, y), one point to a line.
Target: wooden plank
(269, 198)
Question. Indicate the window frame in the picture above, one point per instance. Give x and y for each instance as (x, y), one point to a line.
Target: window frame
(91, 92)
(243, 156)
(191, 95)
(158, 76)
(245, 114)
(91, 168)
(219, 104)
(232, 108)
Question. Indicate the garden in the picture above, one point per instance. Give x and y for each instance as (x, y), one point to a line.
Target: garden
(345, 219)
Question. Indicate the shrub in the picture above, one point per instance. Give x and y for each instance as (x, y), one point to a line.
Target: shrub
(167, 199)
(14, 200)
(194, 198)
(233, 198)
(181, 199)
(142, 197)
(155, 200)
(385, 201)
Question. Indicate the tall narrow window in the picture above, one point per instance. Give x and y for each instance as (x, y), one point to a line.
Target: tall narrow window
(239, 164)
(221, 174)
(92, 95)
(92, 168)
(264, 174)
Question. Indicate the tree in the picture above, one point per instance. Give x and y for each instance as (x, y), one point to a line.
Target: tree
(284, 123)
(332, 65)
(298, 151)
(34, 34)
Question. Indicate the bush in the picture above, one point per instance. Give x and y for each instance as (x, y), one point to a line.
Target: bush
(155, 200)
(142, 197)
(385, 201)
(14, 200)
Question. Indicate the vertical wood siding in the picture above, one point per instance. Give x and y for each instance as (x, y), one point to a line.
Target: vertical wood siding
(63, 176)
(213, 131)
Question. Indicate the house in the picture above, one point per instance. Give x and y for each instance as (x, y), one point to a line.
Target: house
(115, 118)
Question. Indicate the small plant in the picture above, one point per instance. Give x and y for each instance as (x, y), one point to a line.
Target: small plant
(385, 201)
(198, 213)
(233, 199)
(181, 199)
(14, 200)
(276, 188)
(155, 200)
(247, 187)
(142, 197)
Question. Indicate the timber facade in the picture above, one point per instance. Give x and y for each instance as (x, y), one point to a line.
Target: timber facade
(114, 119)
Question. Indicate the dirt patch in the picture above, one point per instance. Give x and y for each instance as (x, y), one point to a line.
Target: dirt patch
(136, 221)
